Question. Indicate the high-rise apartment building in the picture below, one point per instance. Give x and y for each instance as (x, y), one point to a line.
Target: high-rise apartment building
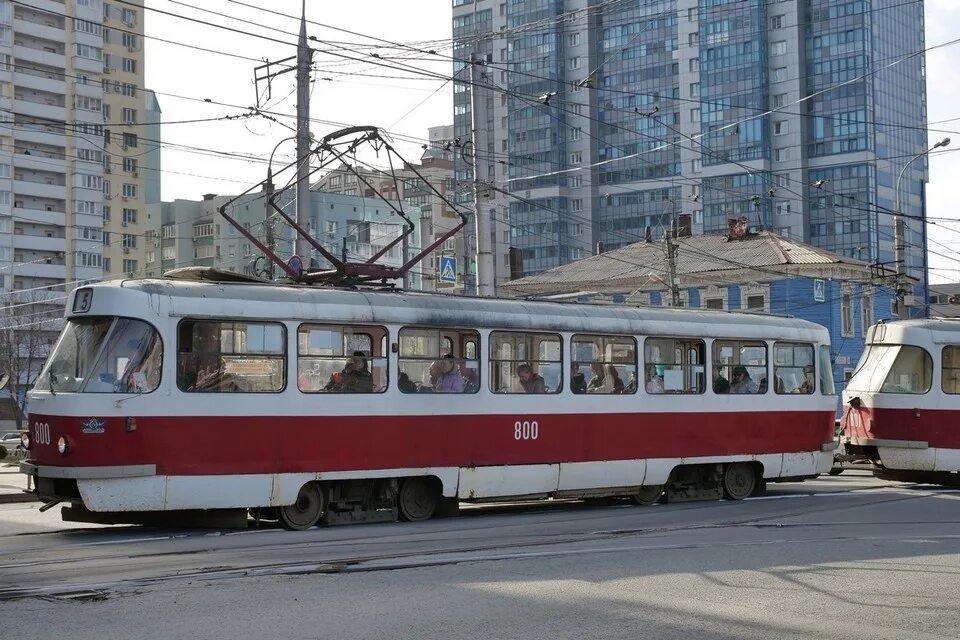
(608, 122)
(125, 112)
(51, 167)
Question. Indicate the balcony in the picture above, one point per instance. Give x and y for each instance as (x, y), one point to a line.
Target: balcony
(41, 135)
(39, 243)
(88, 65)
(40, 82)
(39, 216)
(43, 270)
(40, 30)
(40, 189)
(42, 56)
(39, 163)
(40, 110)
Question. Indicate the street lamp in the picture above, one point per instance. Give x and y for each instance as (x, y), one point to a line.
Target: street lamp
(898, 229)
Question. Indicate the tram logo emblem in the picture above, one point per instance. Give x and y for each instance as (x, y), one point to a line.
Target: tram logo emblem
(93, 425)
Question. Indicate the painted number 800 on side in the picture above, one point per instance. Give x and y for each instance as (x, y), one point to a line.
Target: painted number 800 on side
(526, 430)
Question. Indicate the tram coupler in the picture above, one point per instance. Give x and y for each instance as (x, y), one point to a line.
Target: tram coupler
(50, 505)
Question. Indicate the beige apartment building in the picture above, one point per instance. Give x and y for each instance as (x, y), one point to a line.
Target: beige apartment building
(124, 115)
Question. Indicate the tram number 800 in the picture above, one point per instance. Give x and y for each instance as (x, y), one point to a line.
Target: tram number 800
(526, 430)
(41, 432)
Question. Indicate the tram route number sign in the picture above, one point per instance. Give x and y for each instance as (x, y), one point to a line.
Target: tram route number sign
(819, 290)
(448, 269)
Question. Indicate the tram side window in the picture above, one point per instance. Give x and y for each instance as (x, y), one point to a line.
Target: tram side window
(739, 366)
(827, 387)
(950, 369)
(525, 362)
(231, 357)
(912, 372)
(793, 368)
(603, 364)
(341, 359)
(438, 361)
(674, 365)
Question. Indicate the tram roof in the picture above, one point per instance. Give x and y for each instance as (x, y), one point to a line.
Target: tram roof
(270, 300)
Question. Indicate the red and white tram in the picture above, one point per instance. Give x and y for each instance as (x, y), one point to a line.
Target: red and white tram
(322, 404)
(902, 405)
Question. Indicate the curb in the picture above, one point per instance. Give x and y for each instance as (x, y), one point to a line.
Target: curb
(13, 498)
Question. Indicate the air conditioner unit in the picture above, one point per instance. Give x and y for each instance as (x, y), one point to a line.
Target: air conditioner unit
(131, 49)
(106, 69)
(107, 170)
(123, 223)
(126, 249)
(124, 198)
(135, 173)
(107, 196)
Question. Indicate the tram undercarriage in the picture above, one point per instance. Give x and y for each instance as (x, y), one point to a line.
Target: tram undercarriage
(411, 499)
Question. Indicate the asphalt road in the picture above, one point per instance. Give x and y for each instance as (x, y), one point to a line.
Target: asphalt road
(847, 557)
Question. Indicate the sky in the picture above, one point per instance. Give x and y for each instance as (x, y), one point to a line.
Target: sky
(346, 93)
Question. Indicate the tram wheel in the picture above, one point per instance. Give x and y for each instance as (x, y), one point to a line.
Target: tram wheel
(648, 494)
(306, 511)
(418, 498)
(739, 480)
(835, 471)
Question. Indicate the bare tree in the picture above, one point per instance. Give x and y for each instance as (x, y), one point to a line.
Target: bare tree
(28, 323)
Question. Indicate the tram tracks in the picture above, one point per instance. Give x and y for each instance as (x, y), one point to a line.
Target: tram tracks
(423, 548)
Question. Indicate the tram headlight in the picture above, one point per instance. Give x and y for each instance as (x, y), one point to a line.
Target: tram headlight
(25, 440)
(63, 446)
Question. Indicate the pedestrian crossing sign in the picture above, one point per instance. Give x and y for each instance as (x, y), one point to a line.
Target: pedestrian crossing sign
(819, 293)
(448, 269)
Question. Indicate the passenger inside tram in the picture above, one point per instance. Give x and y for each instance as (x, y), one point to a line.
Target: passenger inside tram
(742, 382)
(654, 383)
(578, 383)
(444, 376)
(530, 381)
(720, 382)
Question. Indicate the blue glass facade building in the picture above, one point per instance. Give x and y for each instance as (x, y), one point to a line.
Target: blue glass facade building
(610, 120)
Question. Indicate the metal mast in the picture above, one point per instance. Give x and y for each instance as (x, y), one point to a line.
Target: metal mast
(304, 55)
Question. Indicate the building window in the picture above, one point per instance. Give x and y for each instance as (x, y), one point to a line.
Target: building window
(866, 311)
(129, 190)
(778, 100)
(573, 63)
(577, 229)
(129, 116)
(778, 48)
(129, 65)
(779, 74)
(129, 140)
(576, 157)
(781, 127)
(576, 204)
(781, 155)
(573, 39)
(714, 303)
(694, 65)
(846, 315)
(694, 89)
(203, 230)
(695, 115)
(130, 266)
(130, 216)
(755, 303)
(129, 165)
(776, 22)
(129, 241)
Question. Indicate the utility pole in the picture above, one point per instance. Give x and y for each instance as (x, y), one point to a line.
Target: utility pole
(268, 220)
(671, 248)
(899, 237)
(481, 217)
(304, 55)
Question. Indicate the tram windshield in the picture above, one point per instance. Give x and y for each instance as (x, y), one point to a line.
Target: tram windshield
(893, 369)
(103, 355)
